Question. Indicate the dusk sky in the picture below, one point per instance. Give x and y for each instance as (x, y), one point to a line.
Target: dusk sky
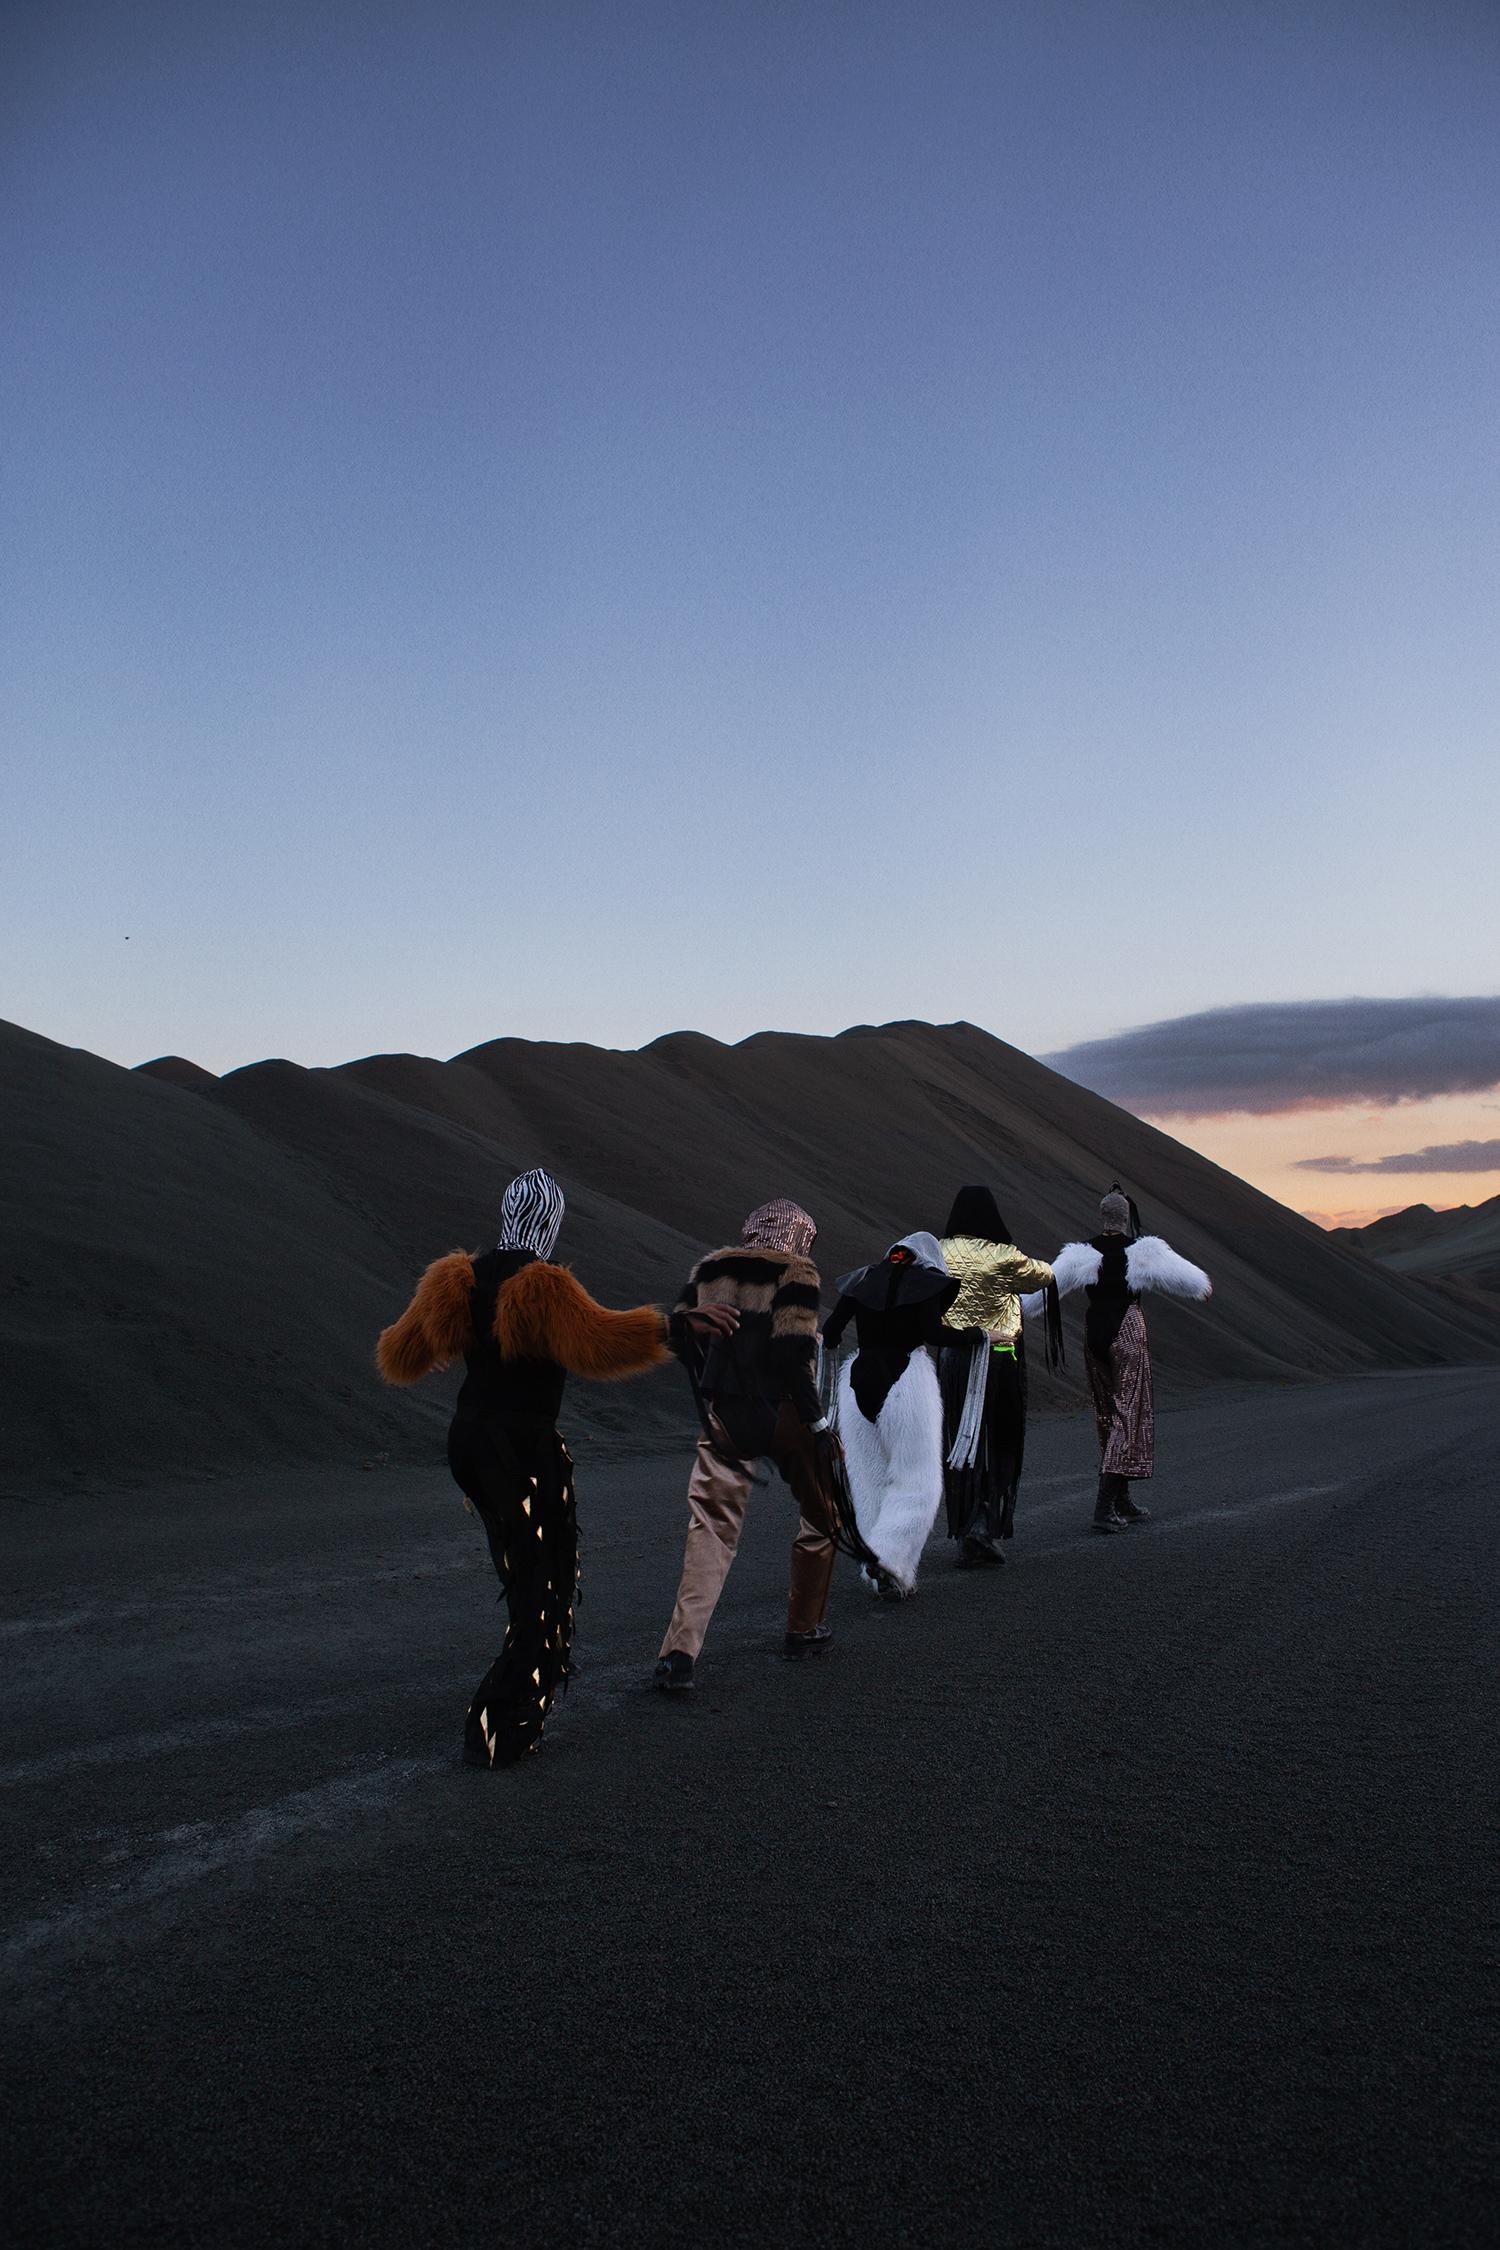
(580, 520)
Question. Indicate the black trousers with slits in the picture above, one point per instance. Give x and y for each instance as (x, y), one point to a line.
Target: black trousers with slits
(520, 1481)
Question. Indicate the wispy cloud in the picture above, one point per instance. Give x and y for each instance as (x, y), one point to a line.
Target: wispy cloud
(1273, 1056)
(1451, 1156)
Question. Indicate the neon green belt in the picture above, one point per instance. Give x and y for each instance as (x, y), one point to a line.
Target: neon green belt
(1004, 1348)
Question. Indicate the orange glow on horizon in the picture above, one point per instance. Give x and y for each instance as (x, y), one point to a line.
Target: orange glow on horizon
(1266, 1152)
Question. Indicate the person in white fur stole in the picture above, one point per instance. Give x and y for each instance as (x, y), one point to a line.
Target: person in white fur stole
(1114, 1269)
(890, 1410)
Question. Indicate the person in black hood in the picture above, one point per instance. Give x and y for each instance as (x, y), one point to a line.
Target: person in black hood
(890, 1416)
(984, 1383)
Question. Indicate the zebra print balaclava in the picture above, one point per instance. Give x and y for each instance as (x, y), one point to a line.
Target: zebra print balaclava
(531, 1213)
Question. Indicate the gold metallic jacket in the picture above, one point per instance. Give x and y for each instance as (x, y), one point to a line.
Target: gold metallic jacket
(990, 1277)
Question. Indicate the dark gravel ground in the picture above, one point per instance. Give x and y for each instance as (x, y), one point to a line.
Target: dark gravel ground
(1143, 1893)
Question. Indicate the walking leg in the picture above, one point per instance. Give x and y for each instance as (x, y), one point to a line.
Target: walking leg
(865, 1461)
(533, 1535)
(910, 1430)
(1106, 1512)
(813, 1549)
(1125, 1507)
(717, 1493)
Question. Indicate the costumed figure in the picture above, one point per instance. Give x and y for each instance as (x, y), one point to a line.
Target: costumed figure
(984, 1382)
(890, 1413)
(758, 1399)
(1114, 1268)
(522, 1325)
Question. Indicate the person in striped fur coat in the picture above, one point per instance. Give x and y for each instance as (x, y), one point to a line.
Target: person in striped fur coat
(758, 1397)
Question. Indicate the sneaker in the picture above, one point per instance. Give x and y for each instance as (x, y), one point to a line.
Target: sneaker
(981, 1554)
(674, 1672)
(808, 1644)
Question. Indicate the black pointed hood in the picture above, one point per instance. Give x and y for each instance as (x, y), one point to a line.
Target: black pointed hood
(976, 1214)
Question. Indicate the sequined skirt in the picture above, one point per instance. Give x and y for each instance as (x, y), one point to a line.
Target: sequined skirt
(1120, 1385)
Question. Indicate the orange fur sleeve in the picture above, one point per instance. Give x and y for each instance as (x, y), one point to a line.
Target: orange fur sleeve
(543, 1313)
(434, 1327)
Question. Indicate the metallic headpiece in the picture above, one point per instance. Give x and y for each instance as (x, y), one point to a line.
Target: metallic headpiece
(780, 1226)
(1118, 1211)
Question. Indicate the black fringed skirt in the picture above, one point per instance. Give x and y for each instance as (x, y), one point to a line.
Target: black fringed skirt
(983, 1498)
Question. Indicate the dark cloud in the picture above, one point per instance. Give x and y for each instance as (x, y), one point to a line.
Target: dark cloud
(1449, 1156)
(1273, 1056)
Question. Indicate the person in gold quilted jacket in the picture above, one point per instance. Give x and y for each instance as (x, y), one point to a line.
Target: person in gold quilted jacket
(984, 1383)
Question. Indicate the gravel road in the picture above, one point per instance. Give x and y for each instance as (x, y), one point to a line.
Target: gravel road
(1142, 1893)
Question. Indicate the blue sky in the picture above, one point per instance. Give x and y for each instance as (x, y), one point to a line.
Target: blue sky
(579, 520)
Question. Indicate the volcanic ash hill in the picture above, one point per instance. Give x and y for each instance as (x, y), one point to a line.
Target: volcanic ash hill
(193, 1269)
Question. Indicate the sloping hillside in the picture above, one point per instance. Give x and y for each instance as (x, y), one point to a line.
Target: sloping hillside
(193, 1270)
(1461, 1245)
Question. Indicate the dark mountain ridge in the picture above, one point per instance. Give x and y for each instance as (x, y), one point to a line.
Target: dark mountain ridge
(193, 1269)
(1461, 1245)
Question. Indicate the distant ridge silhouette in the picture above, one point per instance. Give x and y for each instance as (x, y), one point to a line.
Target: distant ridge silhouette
(193, 1269)
(1462, 1245)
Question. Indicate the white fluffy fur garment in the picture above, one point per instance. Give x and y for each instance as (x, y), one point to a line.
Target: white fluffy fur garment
(895, 1465)
(1154, 1264)
(1149, 1264)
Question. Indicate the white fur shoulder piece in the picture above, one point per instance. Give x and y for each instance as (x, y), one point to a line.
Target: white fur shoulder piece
(1076, 1266)
(1153, 1264)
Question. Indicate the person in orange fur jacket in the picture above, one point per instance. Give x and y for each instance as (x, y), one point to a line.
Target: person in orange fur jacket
(522, 1325)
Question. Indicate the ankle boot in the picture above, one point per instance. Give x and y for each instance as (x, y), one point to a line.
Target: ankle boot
(1126, 1507)
(1105, 1517)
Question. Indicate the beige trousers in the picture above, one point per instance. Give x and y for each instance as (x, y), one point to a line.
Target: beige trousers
(717, 1496)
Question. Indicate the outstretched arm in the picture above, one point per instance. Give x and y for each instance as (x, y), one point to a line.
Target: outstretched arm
(1018, 1271)
(1153, 1264)
(543, 1313)
(688, 1319)
(434, 1327)
(935, 1311)
(1076, 1266)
